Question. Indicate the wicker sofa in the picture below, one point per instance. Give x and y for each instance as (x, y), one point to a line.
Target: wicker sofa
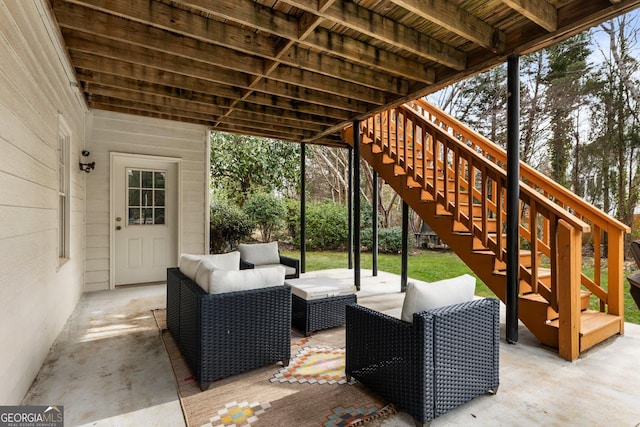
(223, 334)
(446, 357)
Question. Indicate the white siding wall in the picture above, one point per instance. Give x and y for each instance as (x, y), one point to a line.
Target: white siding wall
(112, 132)
(37, 294)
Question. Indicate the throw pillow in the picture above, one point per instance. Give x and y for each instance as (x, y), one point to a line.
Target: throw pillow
(422, 296)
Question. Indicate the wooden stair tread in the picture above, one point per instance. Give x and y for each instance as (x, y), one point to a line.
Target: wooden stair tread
(595, 327)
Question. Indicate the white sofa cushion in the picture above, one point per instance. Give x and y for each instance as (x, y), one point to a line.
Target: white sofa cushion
(196, 267)
(313, 288)
(422, 296)
(221, 281)
(260, 253)
(189, 264)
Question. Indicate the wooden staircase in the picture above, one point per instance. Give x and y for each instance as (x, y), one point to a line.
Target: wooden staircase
(455, 179)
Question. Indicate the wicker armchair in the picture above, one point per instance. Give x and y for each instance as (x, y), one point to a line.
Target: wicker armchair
(260, 255)
(445, 358)
(228, 333)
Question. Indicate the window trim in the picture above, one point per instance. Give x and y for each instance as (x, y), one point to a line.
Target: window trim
(64, 191)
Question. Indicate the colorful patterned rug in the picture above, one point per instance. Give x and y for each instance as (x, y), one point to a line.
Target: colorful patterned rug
(311, 391)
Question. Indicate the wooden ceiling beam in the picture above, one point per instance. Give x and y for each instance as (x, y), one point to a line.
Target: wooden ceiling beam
(95, 69)
(157, 101)
(387, 30)
(457, 20)
(127, 77)
(539, 11)
(90, 78)
(133, 112)
(174, 113)
(196, 45)
(247, 12)
(364, 53)
(246, 130)
(163, 16)
(331, 97)
(89, 63)
(196, 55)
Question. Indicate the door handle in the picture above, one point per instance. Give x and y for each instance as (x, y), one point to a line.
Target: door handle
(118, 228)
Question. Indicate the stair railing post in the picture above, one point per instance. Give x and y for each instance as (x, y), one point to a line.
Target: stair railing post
(568, 286)
(513, 198)
(356, 203)
(615, 275)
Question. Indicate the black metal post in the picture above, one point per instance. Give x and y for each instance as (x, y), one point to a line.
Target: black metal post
(350, 208)
(303, 206)
(404, 273)
(374, 225)
(356, 203)
(513, 197)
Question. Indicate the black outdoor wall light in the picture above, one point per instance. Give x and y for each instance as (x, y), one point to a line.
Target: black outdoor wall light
(87, 167)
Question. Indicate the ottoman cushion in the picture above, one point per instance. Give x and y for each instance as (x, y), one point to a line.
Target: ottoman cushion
(314, 288)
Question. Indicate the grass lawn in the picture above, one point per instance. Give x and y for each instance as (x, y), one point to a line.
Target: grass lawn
(429, 266)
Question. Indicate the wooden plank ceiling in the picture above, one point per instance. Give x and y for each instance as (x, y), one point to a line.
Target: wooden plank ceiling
(298, 70)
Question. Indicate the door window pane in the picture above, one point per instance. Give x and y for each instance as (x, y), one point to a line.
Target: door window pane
(146, 196)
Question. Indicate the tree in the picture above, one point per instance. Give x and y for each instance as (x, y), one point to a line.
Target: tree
(616, 122)
(566, 79)
(244, 164)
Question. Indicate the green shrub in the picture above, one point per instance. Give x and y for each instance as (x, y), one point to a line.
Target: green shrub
(389, 240)
(292, 221)
(228, 225)
(327, 226)
(267, 212)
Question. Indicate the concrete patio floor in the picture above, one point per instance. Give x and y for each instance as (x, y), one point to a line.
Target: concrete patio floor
(109, 368)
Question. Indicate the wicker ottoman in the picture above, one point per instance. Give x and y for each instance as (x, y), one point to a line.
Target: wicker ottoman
(318, 302)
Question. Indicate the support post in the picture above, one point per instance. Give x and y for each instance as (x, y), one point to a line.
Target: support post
(350, 208)
(374, 225)
(303, 208)
(404, 273)
(513, 197)
(356, 203)
(569, 240)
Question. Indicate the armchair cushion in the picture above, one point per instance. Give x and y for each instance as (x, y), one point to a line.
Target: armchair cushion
(422, 296)
(260, 253)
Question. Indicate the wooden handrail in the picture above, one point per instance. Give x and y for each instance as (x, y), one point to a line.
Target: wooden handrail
(528, 173)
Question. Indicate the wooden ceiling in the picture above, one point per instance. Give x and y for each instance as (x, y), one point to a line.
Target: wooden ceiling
(298, 70)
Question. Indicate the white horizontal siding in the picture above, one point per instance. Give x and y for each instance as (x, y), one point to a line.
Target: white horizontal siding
(113, 132)
(38, 293)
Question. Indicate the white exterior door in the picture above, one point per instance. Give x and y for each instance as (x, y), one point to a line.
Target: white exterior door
(144, 218)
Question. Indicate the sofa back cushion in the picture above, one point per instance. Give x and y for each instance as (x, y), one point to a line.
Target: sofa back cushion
(221, 281)
(195, 266)
(422, 296)
(260, 253)
(189, 264)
